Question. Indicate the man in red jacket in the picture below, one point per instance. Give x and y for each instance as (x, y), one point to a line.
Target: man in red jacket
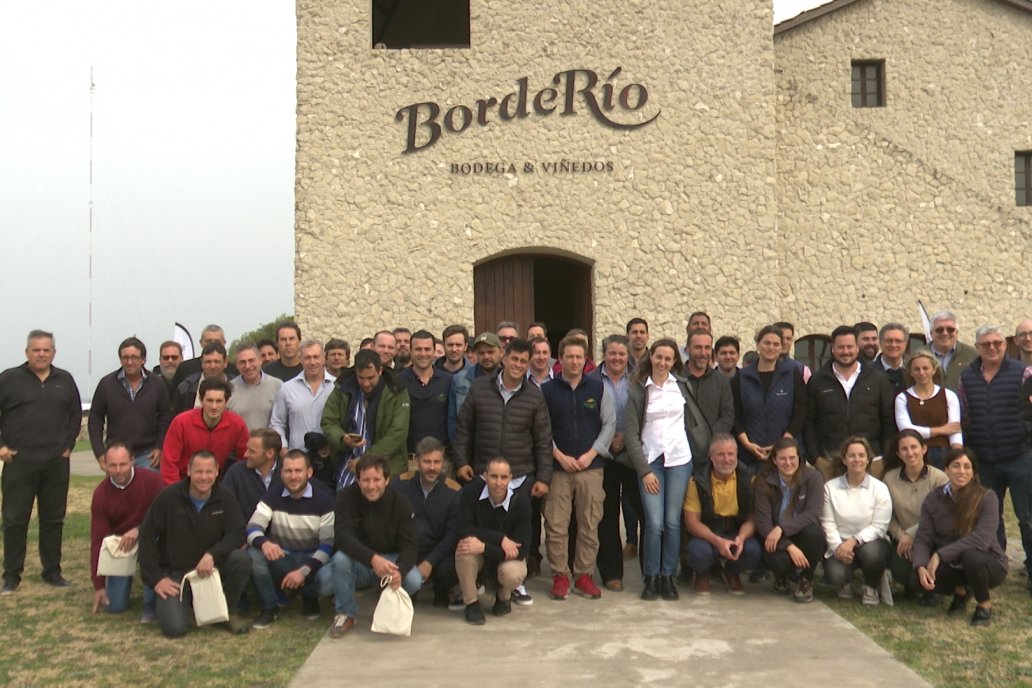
(210, 427)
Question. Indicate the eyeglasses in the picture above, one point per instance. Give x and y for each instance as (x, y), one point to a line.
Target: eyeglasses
(173, 357)
(506, 339)
(1023, 335)
(994, 344)
(945, 330)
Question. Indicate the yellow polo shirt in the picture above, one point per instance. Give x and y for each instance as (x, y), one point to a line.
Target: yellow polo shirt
(725, 496)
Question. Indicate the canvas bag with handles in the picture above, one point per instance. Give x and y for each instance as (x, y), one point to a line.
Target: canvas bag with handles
(209, 602)
(113, 561)
(393, 614)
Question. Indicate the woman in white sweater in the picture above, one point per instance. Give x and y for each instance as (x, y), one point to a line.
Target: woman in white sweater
(855, 520)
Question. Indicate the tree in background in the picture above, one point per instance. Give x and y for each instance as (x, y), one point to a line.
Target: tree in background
(263, 331)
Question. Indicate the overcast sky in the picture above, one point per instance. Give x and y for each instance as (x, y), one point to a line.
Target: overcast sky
(193, 171)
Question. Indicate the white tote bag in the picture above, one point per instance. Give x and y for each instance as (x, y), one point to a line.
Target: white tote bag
(113, 561)
(209, 602)
(393, 614)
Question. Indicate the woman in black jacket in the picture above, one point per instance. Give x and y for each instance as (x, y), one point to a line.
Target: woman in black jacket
(956, 548)
(788, 504)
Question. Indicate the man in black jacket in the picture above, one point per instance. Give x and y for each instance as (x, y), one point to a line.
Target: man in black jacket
(40, 413)
(375, 535)
(132, 406)
(847, 398)
(494, 526)
(435, 501)
(193, 524)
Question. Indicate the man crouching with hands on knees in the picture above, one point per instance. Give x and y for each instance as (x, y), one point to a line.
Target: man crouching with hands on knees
(193, 524)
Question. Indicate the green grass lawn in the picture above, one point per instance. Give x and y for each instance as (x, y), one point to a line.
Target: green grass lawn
(51, 637)
(947, 651)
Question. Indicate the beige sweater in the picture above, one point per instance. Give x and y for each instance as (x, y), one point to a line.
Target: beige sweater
(907, 498)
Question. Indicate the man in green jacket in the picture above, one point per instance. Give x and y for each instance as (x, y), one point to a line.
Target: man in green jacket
(368, 411)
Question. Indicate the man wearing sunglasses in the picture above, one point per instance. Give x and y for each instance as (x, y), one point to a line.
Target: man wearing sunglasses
(954, 356)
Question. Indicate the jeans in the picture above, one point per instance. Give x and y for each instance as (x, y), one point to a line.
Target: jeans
(118, 589)
(354, 575)
(702, 555)
(1017, 475)
(142, 460)
(662, 518)
(268, 576)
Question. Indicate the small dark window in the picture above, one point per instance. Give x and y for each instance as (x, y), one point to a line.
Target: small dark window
(1023, 177)
(868, 83)
(420, 23)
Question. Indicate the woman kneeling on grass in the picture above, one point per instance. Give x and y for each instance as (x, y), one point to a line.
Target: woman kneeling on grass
(956, 548)
(910, 479)
(857, 509)
(788, 504)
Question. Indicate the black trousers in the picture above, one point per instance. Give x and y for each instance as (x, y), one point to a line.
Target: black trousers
(810, 540)
(175, 616)
(979, 571)
(24, 481)
(617, 481)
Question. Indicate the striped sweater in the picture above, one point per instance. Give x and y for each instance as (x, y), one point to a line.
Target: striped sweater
(300, 526)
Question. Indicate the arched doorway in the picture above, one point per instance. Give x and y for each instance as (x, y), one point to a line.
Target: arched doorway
(525, 287)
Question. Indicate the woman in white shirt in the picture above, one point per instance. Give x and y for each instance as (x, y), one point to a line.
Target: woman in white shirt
(855, 520)
(931, 410)
(659, 446)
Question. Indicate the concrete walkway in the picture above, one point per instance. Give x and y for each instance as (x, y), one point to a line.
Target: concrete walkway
(757, 640)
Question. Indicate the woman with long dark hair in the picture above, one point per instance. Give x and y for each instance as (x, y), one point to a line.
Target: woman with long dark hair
(770, 401)
(909, 480)
(659, 420)
(956, 548)
(787, 508)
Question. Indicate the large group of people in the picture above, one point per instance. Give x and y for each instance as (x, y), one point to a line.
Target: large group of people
(300, 472)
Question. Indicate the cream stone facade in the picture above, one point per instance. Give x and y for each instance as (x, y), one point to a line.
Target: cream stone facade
(748, 186)
(883, 206)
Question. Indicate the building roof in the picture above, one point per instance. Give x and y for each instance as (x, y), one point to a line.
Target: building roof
(830, 7)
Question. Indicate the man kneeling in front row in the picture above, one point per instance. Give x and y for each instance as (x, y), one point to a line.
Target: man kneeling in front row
(193, 524)
(375, 535)
(291, 537)
(494, 527)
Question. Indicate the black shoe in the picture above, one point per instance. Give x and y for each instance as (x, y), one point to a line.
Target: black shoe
(266, 618)
(9, 587)
(668, 589)
(649, 593)
(58, 581)
(959, 604)
(475, 615)
(310, 607)
(501, 607)
(928, 599)
(982, 617)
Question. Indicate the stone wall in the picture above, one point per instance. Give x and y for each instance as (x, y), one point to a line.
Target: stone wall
(685, 214)
(879, 207)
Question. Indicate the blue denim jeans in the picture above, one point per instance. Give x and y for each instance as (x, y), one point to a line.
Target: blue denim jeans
(702, 554)
(118, 589)
(354, 575)
(1016, 475)
(662, 518)
(268, 576)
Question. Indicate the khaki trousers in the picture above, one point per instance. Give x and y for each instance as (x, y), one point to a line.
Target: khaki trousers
(511, 575)
(573, 495)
